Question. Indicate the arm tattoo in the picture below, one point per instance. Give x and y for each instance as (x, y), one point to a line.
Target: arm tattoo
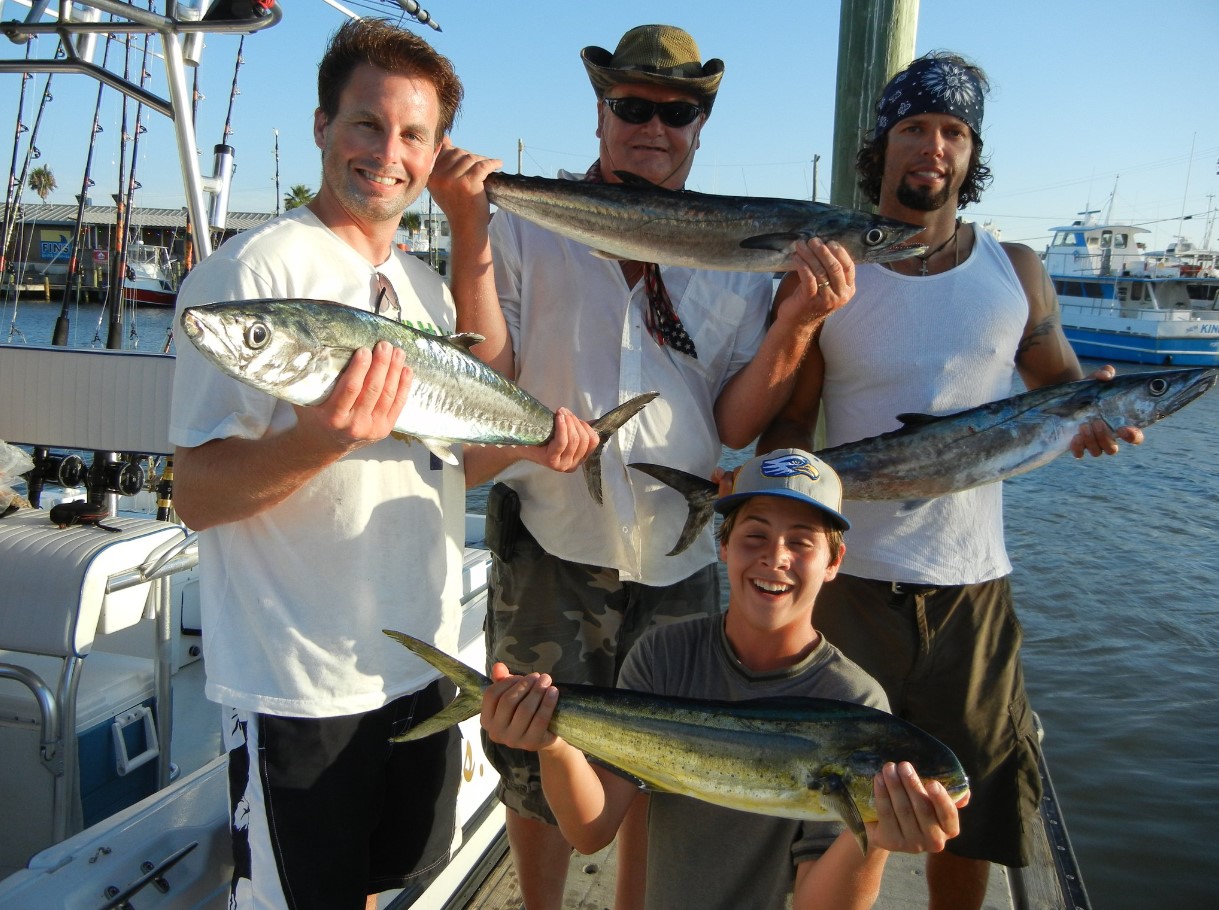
(1043, 328)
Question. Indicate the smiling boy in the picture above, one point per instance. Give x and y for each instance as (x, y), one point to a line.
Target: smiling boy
(781, 539)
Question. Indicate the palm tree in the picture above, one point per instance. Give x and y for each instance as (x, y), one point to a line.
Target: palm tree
(411, 222)
(297, 196)
(42, 182)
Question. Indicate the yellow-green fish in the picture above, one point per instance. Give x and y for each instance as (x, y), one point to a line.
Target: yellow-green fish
(804, 758)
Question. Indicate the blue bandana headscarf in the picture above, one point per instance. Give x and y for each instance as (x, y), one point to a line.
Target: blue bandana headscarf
(931, 86)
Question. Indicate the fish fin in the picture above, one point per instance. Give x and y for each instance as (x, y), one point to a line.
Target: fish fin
(637, 781)
(918, 420)
(840, 801)
(440, 449)
(700, 495)
(465, 340)
(468, 680)
(437, 447)
(602, 254)
(630, 179)
(780, 243)
(606, 426)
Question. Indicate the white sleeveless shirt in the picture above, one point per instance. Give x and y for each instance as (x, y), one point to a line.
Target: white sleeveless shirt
(932, 345)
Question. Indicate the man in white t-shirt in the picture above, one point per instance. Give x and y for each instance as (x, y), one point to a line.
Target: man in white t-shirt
(316, 530)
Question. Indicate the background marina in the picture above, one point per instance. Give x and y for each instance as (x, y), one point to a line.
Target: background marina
(1116, 564)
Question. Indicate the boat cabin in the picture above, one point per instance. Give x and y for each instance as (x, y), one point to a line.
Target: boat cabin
(1089, 249)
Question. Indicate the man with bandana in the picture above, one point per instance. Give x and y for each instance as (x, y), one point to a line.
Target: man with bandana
(581, 581)
(923, 601)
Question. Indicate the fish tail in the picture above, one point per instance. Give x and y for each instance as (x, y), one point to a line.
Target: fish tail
(468, 680)
(606, 426)
(699, 493)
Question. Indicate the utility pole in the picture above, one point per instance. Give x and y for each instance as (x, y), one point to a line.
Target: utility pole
(816, 161)
(520, 150)
(875, 39)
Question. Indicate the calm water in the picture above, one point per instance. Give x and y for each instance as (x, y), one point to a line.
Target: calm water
(1117, 562)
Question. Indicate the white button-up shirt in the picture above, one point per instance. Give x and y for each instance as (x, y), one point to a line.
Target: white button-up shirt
(580, 341)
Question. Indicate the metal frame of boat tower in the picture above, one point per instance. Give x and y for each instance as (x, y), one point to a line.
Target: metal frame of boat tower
(133, 21)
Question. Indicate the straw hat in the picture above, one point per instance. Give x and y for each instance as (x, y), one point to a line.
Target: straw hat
(658, 55)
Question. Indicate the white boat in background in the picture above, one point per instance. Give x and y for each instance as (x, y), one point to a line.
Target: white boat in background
(149, 278)
(1120, 304)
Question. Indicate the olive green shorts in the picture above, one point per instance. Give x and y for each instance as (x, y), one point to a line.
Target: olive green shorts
(576, 622)
(949, 660)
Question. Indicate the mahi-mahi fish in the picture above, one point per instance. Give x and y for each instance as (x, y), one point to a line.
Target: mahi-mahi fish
(295, 349)
(932, 456)
(804, 758)
(640, 221)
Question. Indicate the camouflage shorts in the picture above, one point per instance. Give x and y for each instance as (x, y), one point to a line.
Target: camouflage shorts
(576, 622)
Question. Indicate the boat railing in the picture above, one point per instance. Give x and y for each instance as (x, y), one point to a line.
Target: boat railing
(1127, 310)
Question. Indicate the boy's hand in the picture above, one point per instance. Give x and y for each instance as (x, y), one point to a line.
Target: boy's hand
(911, 817)
(517, 709)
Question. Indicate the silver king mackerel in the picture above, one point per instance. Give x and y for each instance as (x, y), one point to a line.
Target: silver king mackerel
(805, 758)
(296, 349)
(932, 455)
(637, 220)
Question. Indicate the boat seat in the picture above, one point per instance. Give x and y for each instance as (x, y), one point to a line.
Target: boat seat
(53, 600)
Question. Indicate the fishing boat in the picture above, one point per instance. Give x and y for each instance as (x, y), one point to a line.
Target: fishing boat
(115, 764)
(149, 277)
(1120, 304)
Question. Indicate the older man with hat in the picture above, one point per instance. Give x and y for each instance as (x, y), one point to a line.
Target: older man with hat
(923, 601)
(575, 583)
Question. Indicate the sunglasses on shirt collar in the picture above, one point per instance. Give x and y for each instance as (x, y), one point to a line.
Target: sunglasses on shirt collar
(641, 110)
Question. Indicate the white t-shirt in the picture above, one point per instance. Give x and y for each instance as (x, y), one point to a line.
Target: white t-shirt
(580, 341)
(294, 599)
(925, 345)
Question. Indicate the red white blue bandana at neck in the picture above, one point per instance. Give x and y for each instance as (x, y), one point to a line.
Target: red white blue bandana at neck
(660, 317)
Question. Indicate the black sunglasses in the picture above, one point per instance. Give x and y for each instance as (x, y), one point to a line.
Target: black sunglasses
(641, 110)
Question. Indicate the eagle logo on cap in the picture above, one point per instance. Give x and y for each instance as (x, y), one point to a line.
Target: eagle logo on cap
(789, 466)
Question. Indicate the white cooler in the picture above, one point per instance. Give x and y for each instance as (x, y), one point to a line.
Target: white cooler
(116, 748)
(54, 599)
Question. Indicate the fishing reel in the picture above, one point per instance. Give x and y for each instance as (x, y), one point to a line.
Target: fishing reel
(66, 471)
(109, 474)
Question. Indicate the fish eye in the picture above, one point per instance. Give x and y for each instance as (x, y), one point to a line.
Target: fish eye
(873, 236)
(257, 335)
(1157, 386)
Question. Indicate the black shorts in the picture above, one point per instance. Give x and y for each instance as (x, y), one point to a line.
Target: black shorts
(336, 811)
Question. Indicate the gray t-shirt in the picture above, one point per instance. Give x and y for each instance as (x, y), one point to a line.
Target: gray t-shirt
(705, 856)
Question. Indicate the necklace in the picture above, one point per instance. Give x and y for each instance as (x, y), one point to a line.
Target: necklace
(923, 259)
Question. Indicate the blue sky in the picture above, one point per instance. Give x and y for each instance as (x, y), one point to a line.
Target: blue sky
(1087, 101)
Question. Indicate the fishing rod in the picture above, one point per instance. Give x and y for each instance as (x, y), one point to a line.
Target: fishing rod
(118, 269)
(9, 201)
(222, 165)
(116, 318)
(31, 154)
(60, 336)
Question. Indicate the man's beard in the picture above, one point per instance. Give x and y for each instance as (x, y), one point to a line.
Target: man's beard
(921, 199)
